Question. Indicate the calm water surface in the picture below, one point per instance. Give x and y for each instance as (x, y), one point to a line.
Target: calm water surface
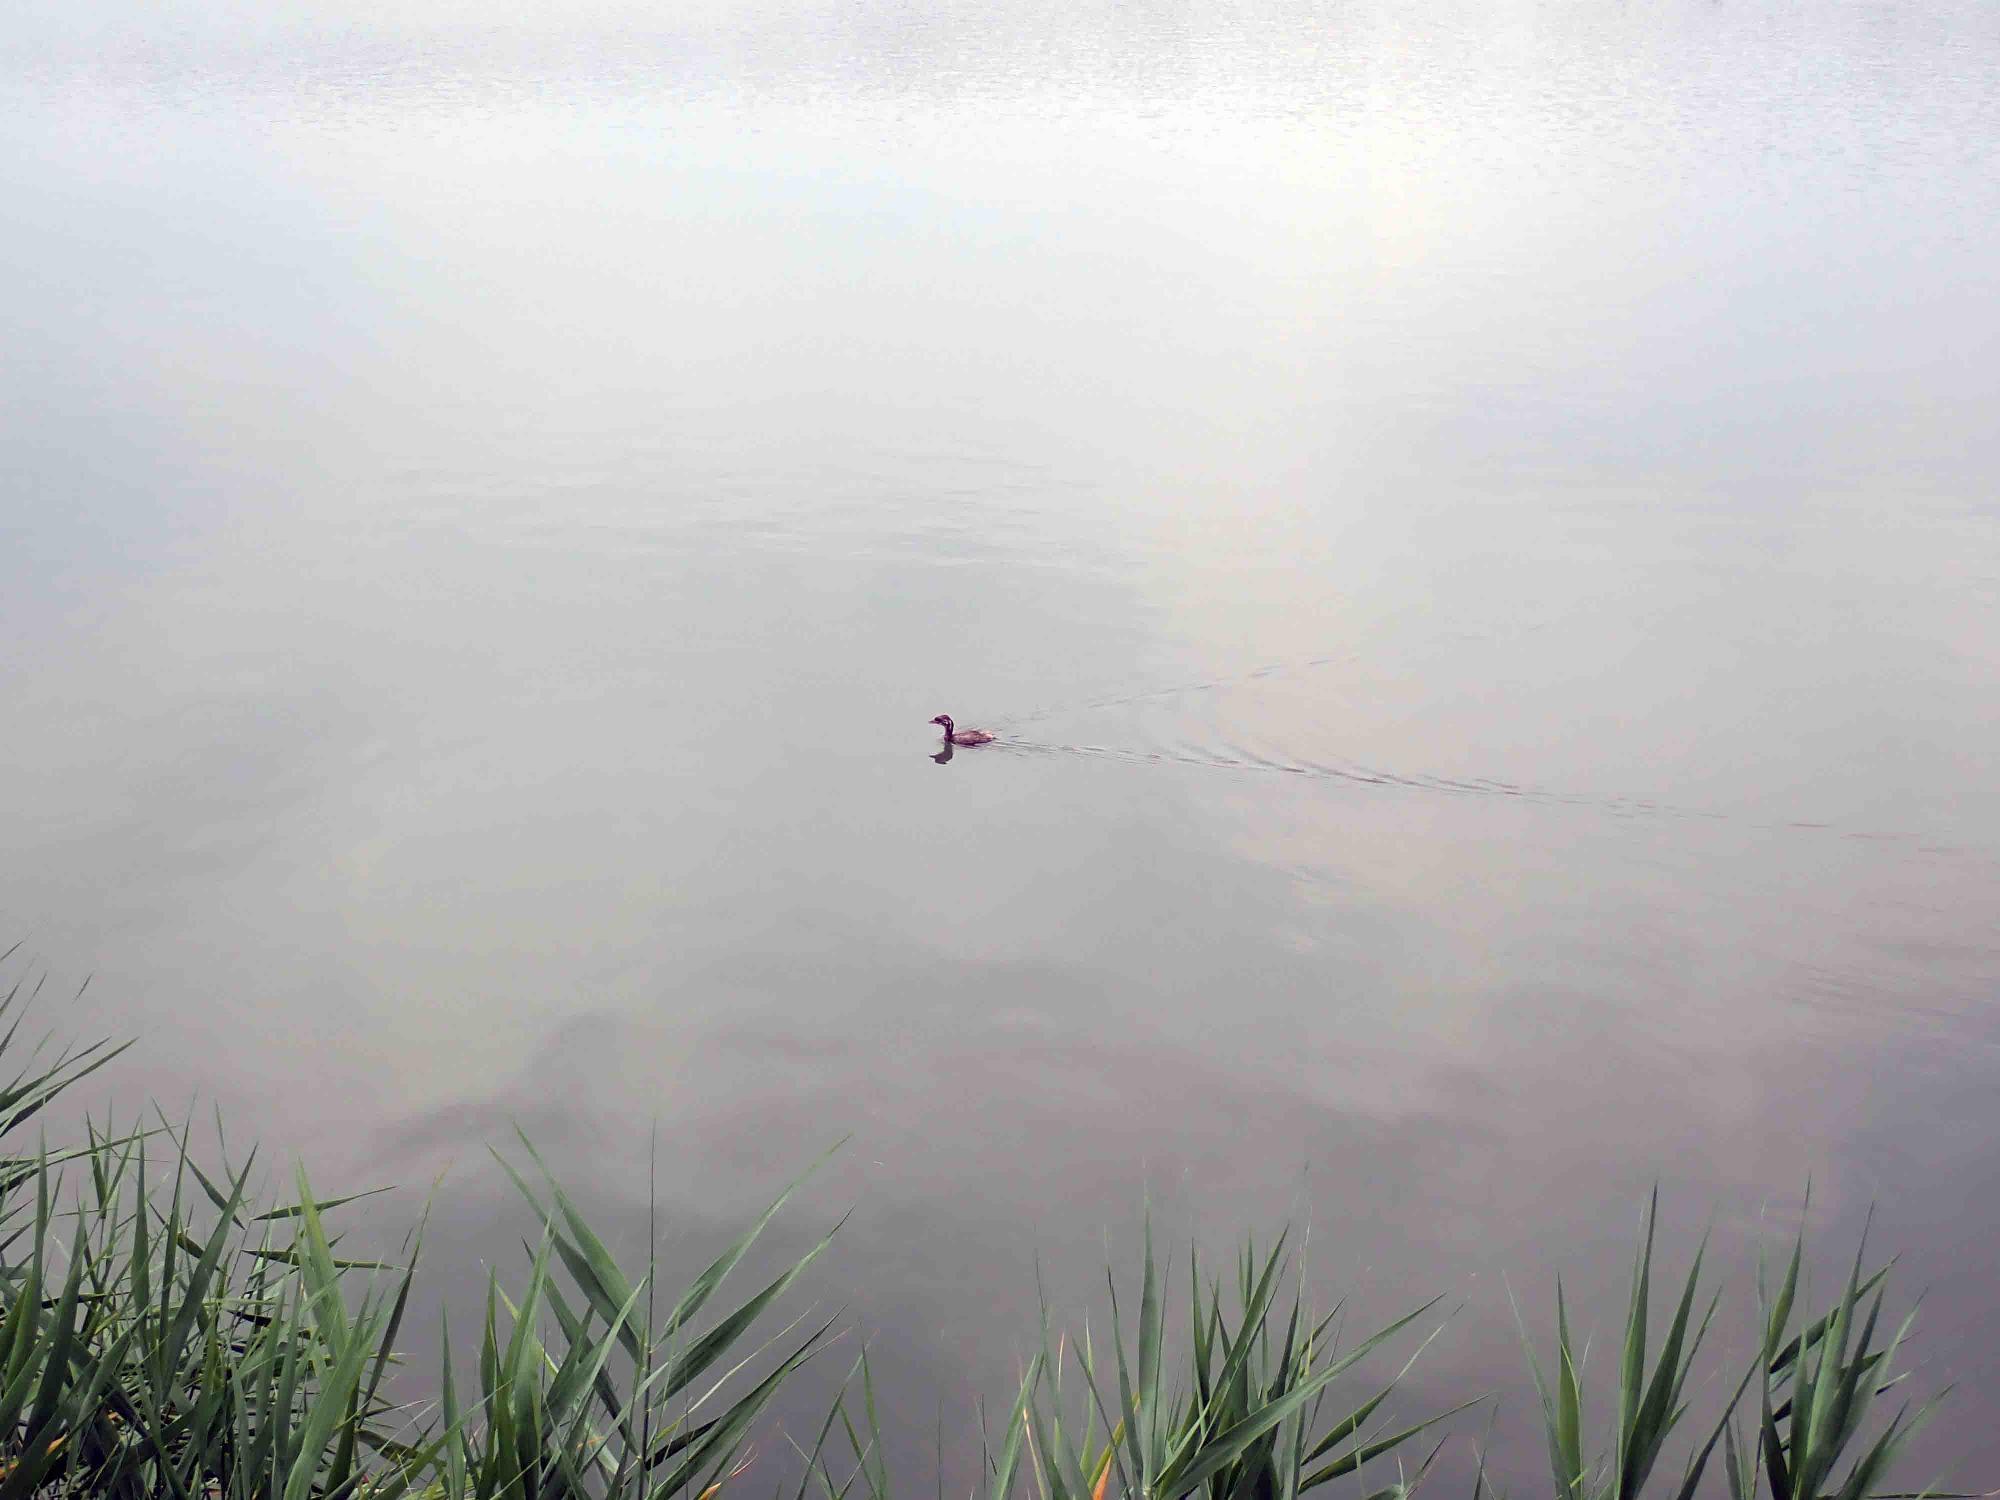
(1477, 524)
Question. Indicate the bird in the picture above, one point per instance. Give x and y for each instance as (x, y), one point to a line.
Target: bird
(953, 735)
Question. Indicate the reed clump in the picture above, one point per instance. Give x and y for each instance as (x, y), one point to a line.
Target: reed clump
(1795, 1426)
(163, 1335)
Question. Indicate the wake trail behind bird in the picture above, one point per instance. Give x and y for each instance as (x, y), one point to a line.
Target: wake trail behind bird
(1356, 774)
(1236, 758)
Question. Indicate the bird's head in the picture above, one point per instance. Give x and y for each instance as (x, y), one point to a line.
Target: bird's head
(945, 720)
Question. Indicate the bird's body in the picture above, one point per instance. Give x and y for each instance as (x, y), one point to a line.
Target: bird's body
(953, 735)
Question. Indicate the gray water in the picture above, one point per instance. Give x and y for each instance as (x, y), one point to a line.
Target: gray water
(1476, 524)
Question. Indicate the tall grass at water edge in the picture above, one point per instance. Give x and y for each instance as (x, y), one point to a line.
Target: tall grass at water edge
(163, 1335)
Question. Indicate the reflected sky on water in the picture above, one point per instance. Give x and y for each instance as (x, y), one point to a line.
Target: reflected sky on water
(1475, 525)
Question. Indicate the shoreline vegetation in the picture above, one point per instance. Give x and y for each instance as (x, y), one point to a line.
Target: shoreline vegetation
(162, 1334)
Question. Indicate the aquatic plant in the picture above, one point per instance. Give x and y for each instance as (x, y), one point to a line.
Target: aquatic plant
(1815, 1386)
(1254, 1416)
(162, 1336)
(171, 1342)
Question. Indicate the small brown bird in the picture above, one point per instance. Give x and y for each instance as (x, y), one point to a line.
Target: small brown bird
(953, 735)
